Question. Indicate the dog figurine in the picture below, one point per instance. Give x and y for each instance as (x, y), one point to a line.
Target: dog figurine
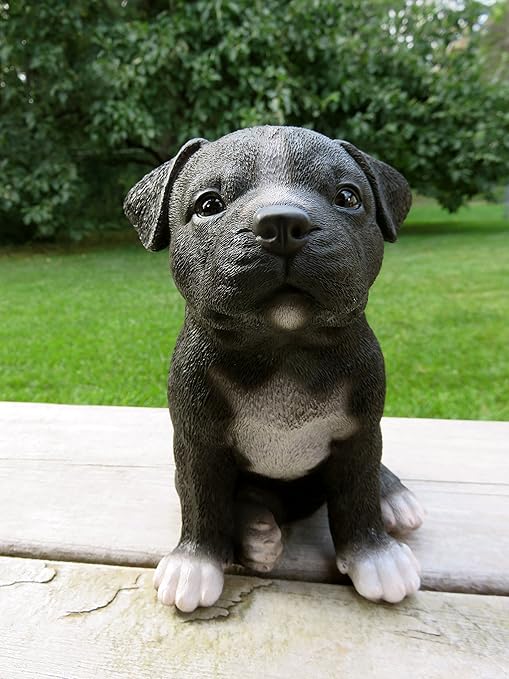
(277, 383)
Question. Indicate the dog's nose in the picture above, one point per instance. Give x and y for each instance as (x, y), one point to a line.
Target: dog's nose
(281, 229)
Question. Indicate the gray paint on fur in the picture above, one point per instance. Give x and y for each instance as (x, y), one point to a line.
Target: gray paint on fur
(281, 429)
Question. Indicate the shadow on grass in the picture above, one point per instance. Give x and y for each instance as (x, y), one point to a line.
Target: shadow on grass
(109, 240)
(446, 228)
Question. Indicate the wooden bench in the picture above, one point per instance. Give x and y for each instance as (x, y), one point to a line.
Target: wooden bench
(87, 506)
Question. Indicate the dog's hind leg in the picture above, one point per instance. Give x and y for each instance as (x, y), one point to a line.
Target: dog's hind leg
(258, 538)
(401, 511)
(263, 507)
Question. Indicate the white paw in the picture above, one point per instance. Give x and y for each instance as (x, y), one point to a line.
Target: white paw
(260, 540)
(188, 581)
(401, 512)
(388, 573)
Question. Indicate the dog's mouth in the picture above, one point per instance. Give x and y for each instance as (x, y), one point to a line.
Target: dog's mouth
(290, 289)
(286, 291)
(285, 307)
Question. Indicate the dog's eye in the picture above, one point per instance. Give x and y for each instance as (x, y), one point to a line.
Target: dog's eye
(208, 203)
(347, 198)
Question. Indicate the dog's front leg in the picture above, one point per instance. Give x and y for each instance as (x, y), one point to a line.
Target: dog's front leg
(380, 567)
(192, 575)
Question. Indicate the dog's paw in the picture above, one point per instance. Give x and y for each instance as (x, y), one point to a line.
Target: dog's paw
(259, 538)
(188, 581)
(401, 512)
(386, 573)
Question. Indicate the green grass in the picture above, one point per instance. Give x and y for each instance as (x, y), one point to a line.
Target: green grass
(97, 325)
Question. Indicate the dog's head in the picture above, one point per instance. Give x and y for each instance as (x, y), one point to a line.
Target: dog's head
(277, 229)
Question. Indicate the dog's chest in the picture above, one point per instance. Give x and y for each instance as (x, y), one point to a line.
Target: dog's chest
(282, 429)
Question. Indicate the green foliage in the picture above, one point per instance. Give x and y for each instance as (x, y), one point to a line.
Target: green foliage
(94, 93)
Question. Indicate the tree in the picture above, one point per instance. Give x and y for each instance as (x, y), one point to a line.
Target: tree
(95, 93)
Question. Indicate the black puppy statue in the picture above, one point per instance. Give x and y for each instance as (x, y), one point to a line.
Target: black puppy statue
(277, 383)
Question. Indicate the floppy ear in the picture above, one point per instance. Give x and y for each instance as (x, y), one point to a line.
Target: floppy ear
(392, 193)
(146, 204)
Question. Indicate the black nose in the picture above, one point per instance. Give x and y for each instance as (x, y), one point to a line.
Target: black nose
(281, 229)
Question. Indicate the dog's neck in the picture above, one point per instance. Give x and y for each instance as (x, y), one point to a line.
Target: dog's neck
(280, 345)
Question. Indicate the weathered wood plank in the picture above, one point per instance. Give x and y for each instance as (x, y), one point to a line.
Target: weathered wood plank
(95, 484)
(65, 620)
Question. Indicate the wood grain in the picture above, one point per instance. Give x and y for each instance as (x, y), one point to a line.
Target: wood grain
(64, 620)
(94, 484)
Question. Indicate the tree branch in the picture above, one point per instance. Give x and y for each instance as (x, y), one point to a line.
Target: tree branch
(152, 152)
(120, 159)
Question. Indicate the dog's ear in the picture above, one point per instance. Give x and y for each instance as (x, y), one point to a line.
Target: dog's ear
(146, 204)
(392, 193)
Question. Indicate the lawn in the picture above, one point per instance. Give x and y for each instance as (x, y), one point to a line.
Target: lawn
(97, 325)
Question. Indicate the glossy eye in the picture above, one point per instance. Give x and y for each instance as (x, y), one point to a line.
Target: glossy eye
(347, 198)
(208, 203)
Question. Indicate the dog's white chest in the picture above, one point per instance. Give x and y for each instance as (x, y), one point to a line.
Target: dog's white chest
(283, 430)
